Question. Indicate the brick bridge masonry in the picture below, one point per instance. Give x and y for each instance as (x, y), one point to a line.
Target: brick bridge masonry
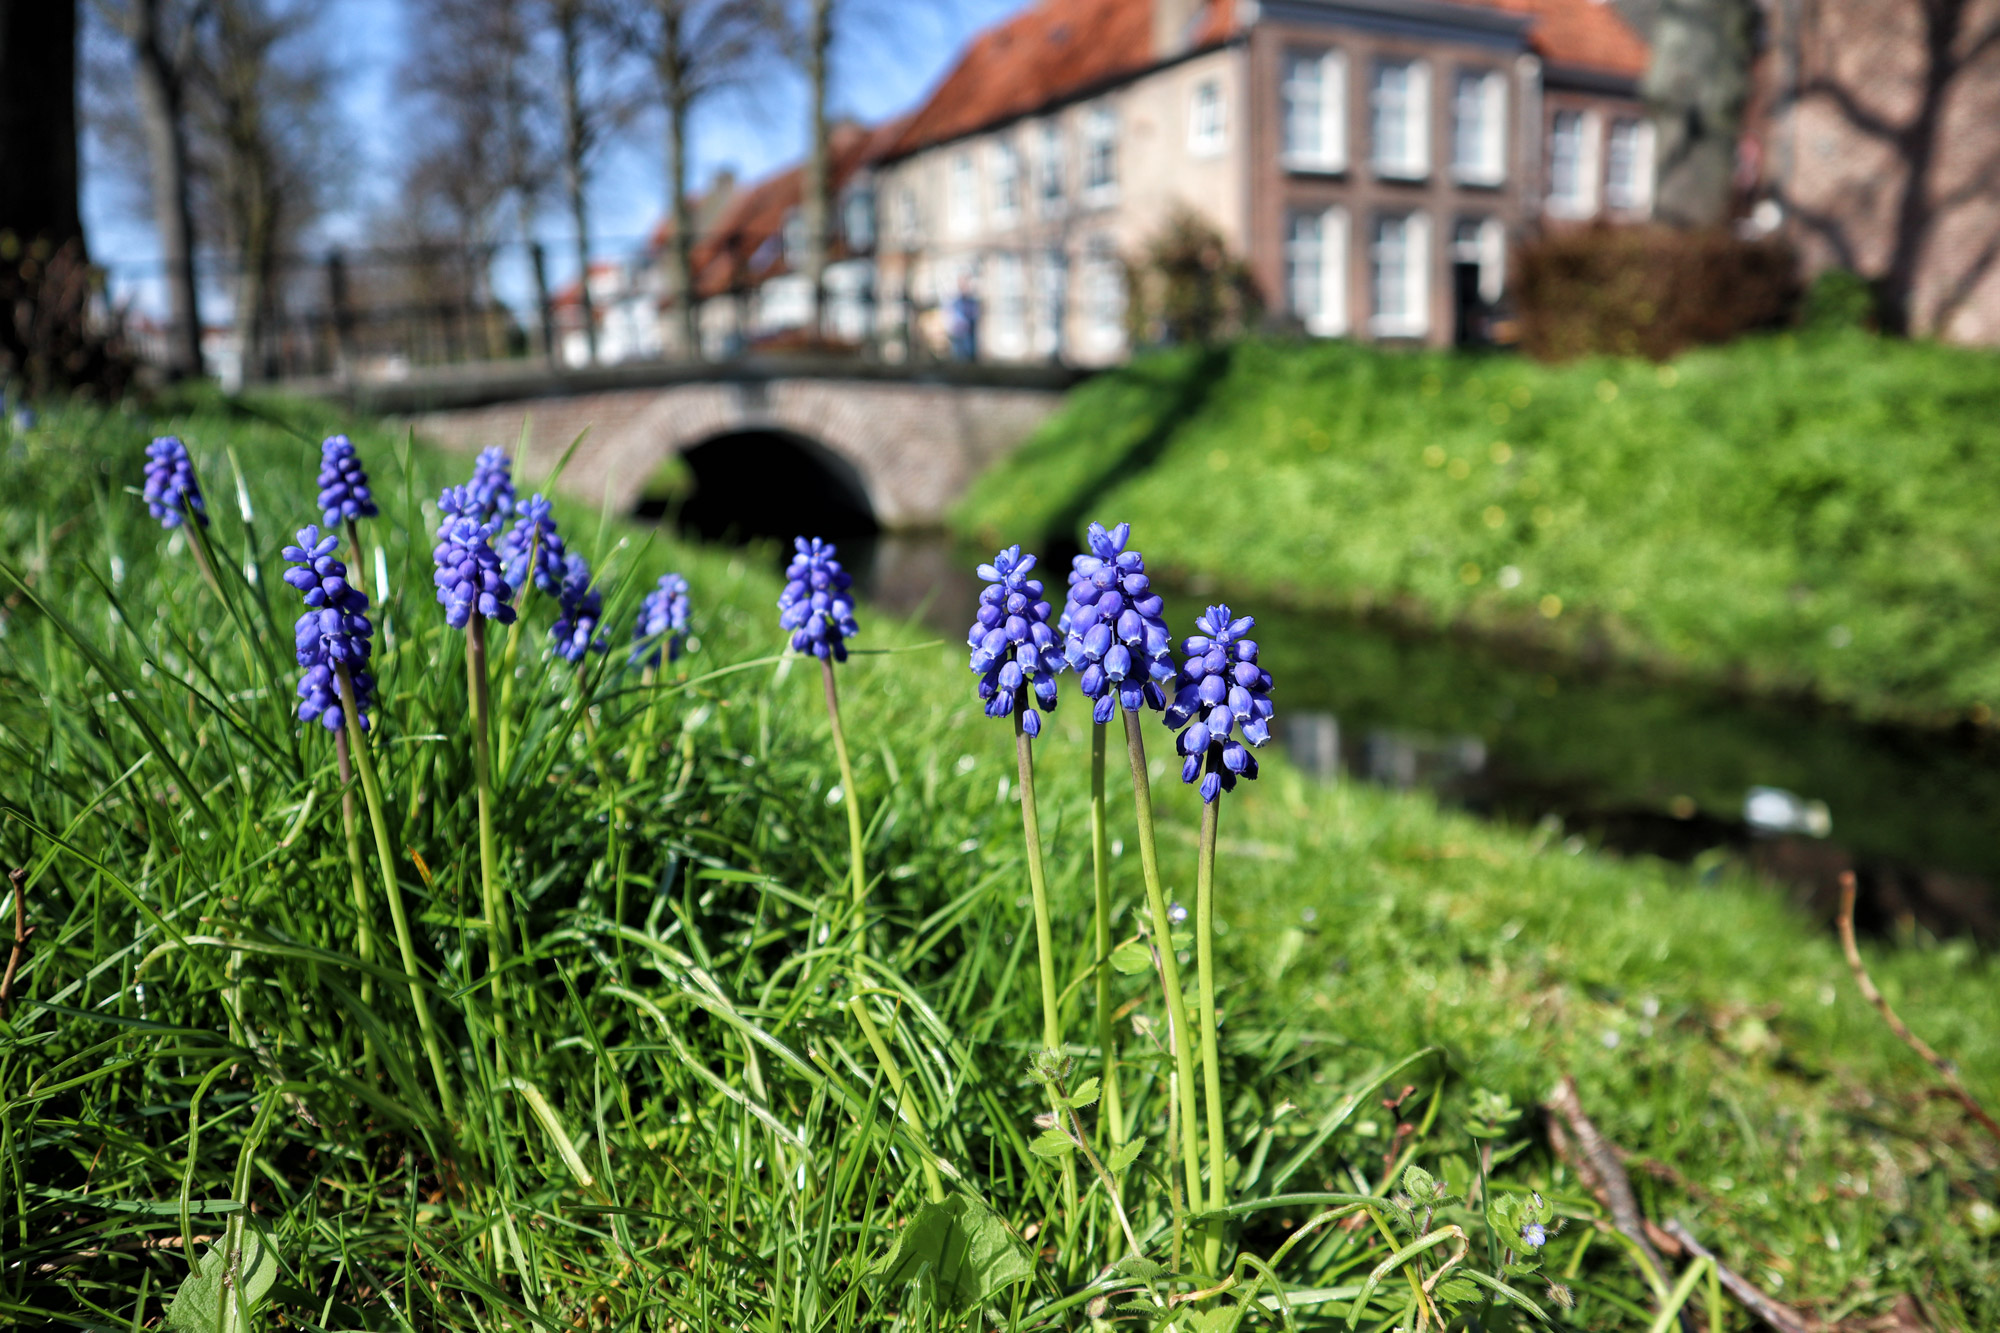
(915, 436)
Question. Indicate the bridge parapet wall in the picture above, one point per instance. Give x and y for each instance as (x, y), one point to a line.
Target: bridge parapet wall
(916, 445)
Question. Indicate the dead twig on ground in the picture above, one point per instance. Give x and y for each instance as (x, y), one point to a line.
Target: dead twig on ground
(18, 877)
(1944, 1067)
(1781, 1317)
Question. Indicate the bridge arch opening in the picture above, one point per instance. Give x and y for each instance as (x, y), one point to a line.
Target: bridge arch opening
(752, 484)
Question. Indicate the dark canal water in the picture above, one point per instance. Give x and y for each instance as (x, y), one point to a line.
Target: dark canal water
(1584, 757)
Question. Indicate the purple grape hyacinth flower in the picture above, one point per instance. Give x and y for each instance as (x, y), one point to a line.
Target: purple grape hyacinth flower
(580, 607)
(468, 576)
(1222, 690)
(172, 493)
(492, 485)
(333, 632)
(816, 605)
(1115, 636)
(533, 535)
(1014, 649)
(343, 483)
(663, 622)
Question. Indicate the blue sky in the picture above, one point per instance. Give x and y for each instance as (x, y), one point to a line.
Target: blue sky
(897, 50)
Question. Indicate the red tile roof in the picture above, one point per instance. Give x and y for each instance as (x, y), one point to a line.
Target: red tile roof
(1051, 51)
(1059, 49)
(1580, 34)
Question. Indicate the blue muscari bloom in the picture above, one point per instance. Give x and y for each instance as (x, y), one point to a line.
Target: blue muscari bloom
(333, 631)
(663, 622)
(343, 483)
(816, 605)
(171, 490)
(492, 485)
(1534, 1235)
(1014, 649)
(580, 607)
(533, 534)
(1221, 690)
(468, 573)
(1114, 634)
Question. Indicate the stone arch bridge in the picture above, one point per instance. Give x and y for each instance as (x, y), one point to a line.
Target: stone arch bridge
(873, 446)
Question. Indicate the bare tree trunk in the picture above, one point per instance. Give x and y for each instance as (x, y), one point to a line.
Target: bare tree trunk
(568, 20)
(816, 209)
(160, 76)
(1696, 87)
(676, 83)
(38, 172)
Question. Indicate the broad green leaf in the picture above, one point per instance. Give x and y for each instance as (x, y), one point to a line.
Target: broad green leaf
(960, 1250)
(1052, 1143)
(1124, 1156)
(1085, 1094)
(1141, 1270)
(1131, 958)
(212, 1300)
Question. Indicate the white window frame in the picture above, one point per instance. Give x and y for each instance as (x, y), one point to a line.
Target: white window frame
(1006, 321)
(1104, 298)
(1581, 199)
(1479, 100)
(1414, 160)
(1051, 169)
(857, 206)
(1005, 160)
(1329, 71)
(1051, 303)
(1636, 194)
(1414, 242)
(1208, 119)
(1328, 315)
(962, 194)
(1486, 247)
(1100, 149)
(909, 218)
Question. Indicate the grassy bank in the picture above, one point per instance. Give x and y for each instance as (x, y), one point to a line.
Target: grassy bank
(688, 1130)
(1791, 514)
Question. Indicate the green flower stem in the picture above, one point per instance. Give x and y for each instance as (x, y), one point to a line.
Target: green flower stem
(350, 820)
(513, 652)
(851, 799)
(907, 1103)
(385, 859)
(643, 751)
(1100, 863)
(1211, 1069)
(1170, 968)
(1045, 947)
(491, 899)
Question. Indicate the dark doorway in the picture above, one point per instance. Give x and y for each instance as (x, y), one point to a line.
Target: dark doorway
(755, 484)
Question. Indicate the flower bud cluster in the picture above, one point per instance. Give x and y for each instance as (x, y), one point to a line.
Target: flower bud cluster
(580, 607)
(343, 483)
(492, 485)
(1114, 633)
(1222, 691)
(663, 622)
(468, 576)
(1014, 649)
(172, 493)
(817, 605)
(332, 633)
(533, 538)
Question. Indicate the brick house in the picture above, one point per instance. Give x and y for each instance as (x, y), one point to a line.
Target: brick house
(1372, 160)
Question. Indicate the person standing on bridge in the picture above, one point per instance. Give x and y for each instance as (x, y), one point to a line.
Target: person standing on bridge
(962, 323)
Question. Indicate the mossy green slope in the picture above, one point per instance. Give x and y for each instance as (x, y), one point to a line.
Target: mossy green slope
(1789, 513)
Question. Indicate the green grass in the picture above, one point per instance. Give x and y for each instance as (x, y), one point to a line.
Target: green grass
(188, 1045)
(1783, 513)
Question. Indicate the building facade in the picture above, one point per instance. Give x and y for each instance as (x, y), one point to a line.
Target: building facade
(1373, 161)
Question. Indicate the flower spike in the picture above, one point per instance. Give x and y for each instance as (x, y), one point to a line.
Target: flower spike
(817, 605)
(1115, 635)
(1014, 649)
(1223, 693)
(333, 632)
(343, 483)
(172, 493)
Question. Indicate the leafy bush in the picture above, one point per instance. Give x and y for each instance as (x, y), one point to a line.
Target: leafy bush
(1648, 291)
(1187, 288)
